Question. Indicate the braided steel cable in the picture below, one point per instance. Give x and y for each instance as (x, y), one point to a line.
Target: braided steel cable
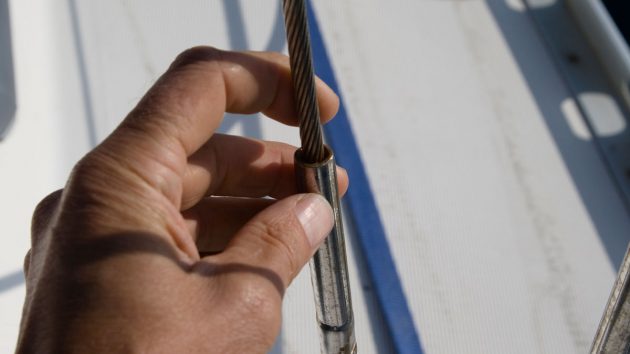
(303, 80)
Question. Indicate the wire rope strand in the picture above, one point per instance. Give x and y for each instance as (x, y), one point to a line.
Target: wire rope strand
(303, 80)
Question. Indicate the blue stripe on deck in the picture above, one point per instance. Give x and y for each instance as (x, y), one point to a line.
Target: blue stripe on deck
(364, 214)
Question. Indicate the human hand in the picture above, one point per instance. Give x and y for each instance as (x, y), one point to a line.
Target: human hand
(115, 261)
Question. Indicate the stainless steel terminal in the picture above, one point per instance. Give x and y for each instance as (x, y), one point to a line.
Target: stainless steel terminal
(316, 173)
(329, 270)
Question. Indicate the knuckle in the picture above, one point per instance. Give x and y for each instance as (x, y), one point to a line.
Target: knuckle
(44, 210)
(48, 203)
(90, 175)
(27, 262)
(195, 55)
(87, 168)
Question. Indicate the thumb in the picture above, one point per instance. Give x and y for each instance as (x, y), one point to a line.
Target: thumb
(282, 238)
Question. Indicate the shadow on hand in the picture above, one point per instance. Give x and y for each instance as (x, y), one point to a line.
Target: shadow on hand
(80, 252)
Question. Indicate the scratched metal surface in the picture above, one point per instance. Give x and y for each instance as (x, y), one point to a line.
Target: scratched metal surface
(499, 210)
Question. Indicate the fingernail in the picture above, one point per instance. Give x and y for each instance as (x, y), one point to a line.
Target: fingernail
(316, 217)
(341, 170)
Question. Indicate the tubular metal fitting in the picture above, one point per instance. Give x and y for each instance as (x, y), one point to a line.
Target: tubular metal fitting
(329, 269)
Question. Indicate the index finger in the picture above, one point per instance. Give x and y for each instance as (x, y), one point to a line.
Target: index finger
(186, 105)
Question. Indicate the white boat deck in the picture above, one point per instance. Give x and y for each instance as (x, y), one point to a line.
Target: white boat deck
(504, 222)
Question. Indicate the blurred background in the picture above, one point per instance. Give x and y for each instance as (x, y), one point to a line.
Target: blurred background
(494, 134)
